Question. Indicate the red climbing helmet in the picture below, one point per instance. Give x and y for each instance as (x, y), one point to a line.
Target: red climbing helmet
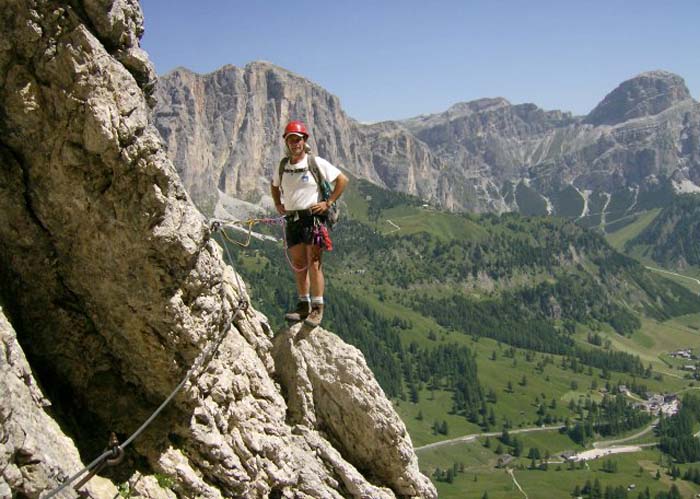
(297, 128)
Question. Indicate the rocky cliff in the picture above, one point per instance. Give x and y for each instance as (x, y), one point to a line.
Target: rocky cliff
(113, 288)
(223, 128)
(223, 132)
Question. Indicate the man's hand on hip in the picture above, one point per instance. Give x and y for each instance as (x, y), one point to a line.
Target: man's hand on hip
(319, 208)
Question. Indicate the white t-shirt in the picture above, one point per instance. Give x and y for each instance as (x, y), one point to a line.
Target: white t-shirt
(299, 189)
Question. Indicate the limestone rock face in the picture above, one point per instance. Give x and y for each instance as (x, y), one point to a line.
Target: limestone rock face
(115, 289)
(223, 132)
(489, 133)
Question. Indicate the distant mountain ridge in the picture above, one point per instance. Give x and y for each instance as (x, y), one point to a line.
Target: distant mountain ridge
(488, 155)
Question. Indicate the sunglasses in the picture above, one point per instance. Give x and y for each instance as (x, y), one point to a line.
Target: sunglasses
(293, 139)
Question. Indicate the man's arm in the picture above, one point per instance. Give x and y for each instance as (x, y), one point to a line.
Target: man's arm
(341, 182)
(276, 198)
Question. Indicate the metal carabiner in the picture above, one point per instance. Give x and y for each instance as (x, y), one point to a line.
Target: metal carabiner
(116, 457)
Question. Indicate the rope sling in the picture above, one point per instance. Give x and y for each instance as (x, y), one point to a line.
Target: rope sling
(320, 236)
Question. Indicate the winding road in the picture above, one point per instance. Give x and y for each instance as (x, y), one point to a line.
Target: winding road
(608, 443)
(697, 281)
(473, 436)
(600, 448)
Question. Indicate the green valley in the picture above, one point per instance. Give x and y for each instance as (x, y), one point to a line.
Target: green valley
(476, 326)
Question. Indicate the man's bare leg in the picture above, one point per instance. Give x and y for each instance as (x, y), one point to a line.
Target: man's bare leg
(298, 256)
(317, 282)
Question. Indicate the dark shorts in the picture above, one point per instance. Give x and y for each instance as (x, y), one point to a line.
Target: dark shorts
(301, 230)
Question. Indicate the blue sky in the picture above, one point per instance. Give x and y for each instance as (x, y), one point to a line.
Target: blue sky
(398, 59)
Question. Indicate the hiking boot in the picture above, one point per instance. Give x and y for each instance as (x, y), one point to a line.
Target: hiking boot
(316, 316)
(298, 314)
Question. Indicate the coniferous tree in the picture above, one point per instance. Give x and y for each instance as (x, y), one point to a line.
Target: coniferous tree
(586, 487)
(517, 447)
(505, 437)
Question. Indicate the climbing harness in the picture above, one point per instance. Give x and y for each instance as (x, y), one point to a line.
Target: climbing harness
(115, 453)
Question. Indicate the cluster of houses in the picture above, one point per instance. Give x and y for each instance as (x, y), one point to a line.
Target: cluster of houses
(683, 353)
(657, 403)
(667, 404)
(686, 354)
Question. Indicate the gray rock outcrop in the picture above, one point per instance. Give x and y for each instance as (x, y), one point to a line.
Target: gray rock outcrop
(115, 288)
(330, 388)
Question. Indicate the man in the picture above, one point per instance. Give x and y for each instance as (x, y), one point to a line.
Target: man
(305, 213)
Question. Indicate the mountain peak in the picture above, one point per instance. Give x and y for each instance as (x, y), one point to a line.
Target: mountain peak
(646, 94)
(262, 65)
(478, 105)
